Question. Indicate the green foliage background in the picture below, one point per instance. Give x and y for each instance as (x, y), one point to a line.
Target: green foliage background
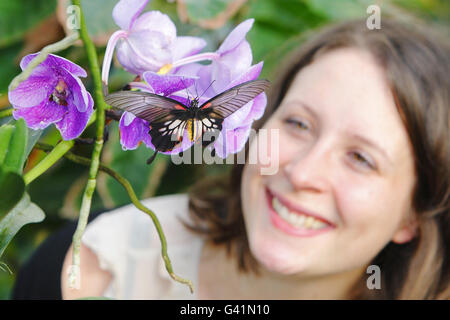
(280, 25)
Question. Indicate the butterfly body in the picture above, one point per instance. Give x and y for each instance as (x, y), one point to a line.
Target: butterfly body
(170, 120)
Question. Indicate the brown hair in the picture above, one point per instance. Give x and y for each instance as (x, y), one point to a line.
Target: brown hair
(417, 65)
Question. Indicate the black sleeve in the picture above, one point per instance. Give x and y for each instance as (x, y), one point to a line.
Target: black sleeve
(40, 276)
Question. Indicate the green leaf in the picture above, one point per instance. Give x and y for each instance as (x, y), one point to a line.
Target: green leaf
(9, 60)
(340, 10)
(12, 188)
(12, 156)
(285, 16)
(6, 132)
(23, 213)
(205, 9)
(277, 29)
(33, 137)
(15, 156)
(18, 16)
(98, 17)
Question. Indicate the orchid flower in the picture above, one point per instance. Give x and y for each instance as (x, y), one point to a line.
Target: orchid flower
(146, 42)
(53, 93)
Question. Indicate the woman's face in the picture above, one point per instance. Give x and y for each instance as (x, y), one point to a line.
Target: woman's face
(346, 172)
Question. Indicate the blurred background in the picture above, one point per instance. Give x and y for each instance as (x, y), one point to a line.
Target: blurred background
(280, 25)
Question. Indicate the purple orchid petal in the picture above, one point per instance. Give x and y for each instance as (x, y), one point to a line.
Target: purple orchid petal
(237, 118)
(238, 60)
(115, 37)
(257, 110)
(41, 116)
(141, 86)
(252, 73)
(152, 44)
(231, 141)
(125, 12)
(230, 66)
(191, 69)
(26, 60)
(156, 21)
(127, 58)
(222, 76)
(247, 114)
(133, 130)
(224, 79)
(236, 36)
(186, 46)
(78, 91)
(74, 122)
(167, 84)
(128, 118)
(61, 62)
(147, 46)
(34, 90)
(182, 99)
(206, 81)
(143, 51)
(55, 62)
(252, 110)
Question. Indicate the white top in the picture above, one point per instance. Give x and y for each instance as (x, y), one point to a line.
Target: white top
(127, 245)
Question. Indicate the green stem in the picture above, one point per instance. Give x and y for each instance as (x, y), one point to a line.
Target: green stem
(93, 170)
(57, 152)
(6, 113)
(54, 47)
(134, 199)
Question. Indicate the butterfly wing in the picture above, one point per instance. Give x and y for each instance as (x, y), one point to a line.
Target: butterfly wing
(215, 110)
(234, 98)
(165, 116)
(145, 105)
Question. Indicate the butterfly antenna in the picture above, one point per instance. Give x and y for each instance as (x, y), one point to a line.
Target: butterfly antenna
(187, 91)
(195, 86)
(207, 88)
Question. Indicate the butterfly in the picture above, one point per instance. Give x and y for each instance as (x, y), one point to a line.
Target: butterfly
(169, 119)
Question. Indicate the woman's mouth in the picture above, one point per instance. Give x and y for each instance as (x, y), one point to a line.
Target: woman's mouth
(293, 220)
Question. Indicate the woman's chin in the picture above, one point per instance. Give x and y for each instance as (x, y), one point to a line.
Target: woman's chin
(277, 259)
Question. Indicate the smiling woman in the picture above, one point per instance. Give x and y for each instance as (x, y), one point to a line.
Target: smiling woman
(364, 154)
(363, 123)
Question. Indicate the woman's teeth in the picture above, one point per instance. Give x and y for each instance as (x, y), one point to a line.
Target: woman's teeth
(295, 219)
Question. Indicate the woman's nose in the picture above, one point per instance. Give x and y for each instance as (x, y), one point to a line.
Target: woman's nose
(309, 169)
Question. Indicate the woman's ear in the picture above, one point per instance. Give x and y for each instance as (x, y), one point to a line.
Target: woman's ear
(407, 230)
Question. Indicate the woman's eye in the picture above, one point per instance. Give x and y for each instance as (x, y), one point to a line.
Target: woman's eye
(297, 123)
(358, 157)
